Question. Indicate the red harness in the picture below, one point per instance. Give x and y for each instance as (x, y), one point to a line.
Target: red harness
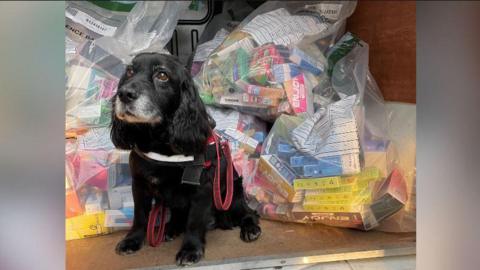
(155, 239)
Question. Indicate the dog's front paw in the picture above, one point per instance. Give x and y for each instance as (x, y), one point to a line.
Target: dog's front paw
(171, 232)
(128, 246)
(250, 232)
(188, 256)
(169, 236)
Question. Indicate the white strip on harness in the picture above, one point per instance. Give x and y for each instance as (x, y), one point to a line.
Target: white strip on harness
(174, 158)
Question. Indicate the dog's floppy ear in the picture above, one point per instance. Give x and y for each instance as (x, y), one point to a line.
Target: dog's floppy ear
(120, 133)
(191, 125)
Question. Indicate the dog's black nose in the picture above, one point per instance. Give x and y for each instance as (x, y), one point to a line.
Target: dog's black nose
(127, 95)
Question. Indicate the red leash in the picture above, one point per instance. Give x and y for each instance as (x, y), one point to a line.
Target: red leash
(160, 211)
(155, 239)
(217, 191)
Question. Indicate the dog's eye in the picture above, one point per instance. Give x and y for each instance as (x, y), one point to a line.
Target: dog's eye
(162, 76)
(130, 72)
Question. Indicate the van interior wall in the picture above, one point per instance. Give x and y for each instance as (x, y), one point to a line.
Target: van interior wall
(389, 29)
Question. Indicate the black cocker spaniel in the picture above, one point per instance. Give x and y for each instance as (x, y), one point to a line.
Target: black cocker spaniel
(157, 110)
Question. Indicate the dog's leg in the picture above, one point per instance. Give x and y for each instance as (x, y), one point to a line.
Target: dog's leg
(244, 215)
(177, 223)
(199, 218)
(133, 241)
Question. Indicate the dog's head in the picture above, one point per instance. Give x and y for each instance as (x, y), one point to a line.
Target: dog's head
(157, 92)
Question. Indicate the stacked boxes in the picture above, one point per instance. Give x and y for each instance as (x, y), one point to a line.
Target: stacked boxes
(274, 171)
(85, 225)
(264, 81)
(359, 200)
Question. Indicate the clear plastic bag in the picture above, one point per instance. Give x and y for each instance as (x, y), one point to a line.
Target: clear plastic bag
(98, 179)
(205, 49)
(148, 28)
(339, 165)
(402, 130)
(90, 20)
(89, 88)
(93, 68)
(245, 134)
(97, 175)
(272, 62)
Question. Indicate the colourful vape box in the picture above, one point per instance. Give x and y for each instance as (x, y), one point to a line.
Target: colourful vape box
(339, 184)
(278, 174)
(119, 184)
(95, 203)
(285, 151)
(121, 218)
(285, 72)
(319, 170)
(85, 226)
(240, 67)
(273, 211)
(391, 196)
(297, 93)
(267, 92)
(300, 161)
(262, 62)
(306, 62)
(72, 204)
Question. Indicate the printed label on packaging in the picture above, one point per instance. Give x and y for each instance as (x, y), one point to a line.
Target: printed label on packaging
(85, 226)
(333, 184)
(332, 208)
(314, 195)
(94, 139)
(329, 11)
(349, 220)
(316, 183)
(297, 93)
(272, 93)
(336, 123)
(279, 27)
(92, 23)
(242, 138)
(237, 100)
(359, 199)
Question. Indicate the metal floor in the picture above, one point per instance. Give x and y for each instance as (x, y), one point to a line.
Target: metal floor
(387, 263)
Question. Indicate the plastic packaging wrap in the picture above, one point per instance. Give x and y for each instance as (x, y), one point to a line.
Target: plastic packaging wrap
(245, 133)
(148, 27)
(101, 37)
(205, 49)
(89, 20)
(89, 88)
(272, 62)
(98, 180)
(402, 129)
(93, 68)
(339, 165)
